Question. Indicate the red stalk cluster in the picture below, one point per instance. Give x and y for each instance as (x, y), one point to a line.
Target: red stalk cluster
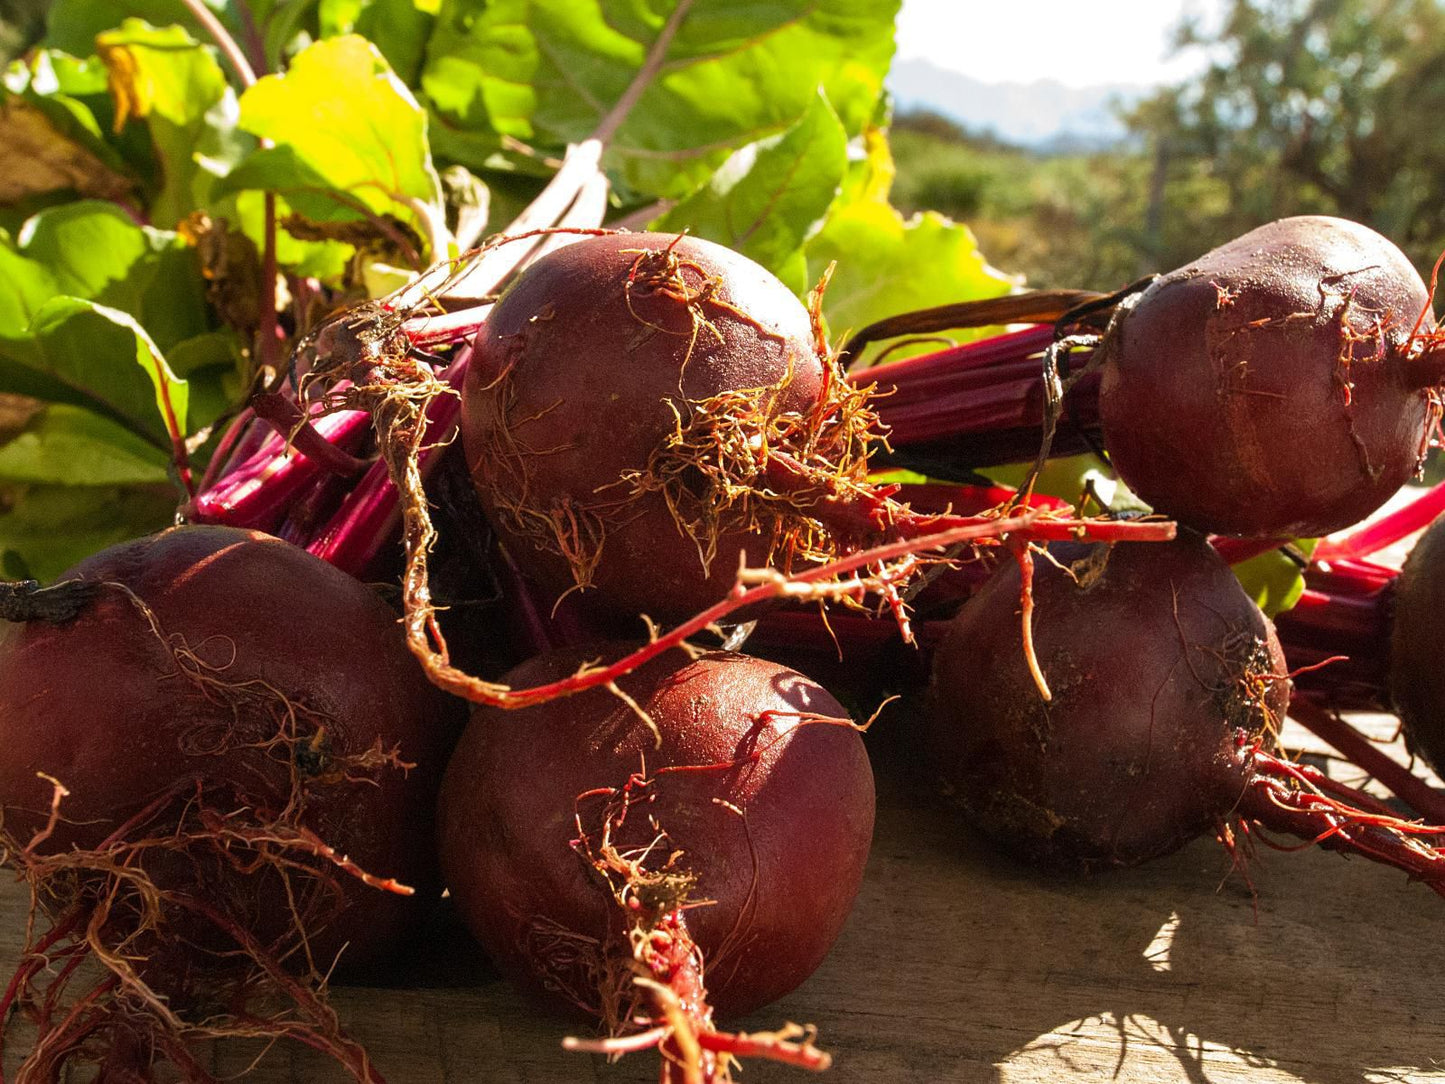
(982, 403)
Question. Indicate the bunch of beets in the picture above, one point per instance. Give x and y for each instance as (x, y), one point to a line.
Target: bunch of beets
(238, 760)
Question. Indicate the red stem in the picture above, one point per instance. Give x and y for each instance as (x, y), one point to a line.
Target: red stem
(179, 455)
(1387, 530)
(289, 420)
(1336, 638)
(1238, 550)
(259, 491)
(1285, 797)
(979, 353)
(981, 403)
(1324, 723)
(431, 332)
(229, 448)
(368, 519)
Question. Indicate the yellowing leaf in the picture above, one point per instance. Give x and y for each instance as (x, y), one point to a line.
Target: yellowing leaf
(38, 158)
(348, 136)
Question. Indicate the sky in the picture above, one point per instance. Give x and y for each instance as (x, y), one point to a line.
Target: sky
(1077, 42)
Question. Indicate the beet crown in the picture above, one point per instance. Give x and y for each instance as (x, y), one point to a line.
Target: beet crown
(624, 395)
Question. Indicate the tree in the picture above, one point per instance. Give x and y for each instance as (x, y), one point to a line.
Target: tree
(1325, 106)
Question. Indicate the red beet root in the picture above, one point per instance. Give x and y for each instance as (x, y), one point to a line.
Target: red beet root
(1130, 759)
(230, 719)
(621, 393)
(562, 823)
(1417, 685)
(1166, 680)
(1276, 385)
(1369, 636)
(1284, 384)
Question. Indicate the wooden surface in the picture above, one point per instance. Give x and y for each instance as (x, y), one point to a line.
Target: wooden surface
(959, 966)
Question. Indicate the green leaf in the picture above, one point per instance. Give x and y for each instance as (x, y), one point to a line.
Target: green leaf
(87, 247)
(307, 189)
(46, 529)
(549, 71)
(767, 198)
(92, 250)
(1068, 478)
(70, 446)
(399, 28)
(167, 78)
(100, 358)
(24, 287)
(213, 366)
(343, 124)
(1275, 581)
(73, 25)
(324, 260)
(886, 264)
(479, 72)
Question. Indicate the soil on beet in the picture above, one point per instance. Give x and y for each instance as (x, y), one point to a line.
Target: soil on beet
(1156, 660)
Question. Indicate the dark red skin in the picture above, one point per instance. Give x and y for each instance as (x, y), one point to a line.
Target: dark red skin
(1417, 679)
(96, 703)
(1223, 398)
(1136, 754)
(508, 801)
(589, 383)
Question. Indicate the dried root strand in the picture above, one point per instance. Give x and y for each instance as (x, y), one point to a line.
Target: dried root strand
(87, 984)
(1300, 801)
(109, 908)
(653, 994)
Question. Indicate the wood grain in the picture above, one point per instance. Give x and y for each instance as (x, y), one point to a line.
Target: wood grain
(959, 966)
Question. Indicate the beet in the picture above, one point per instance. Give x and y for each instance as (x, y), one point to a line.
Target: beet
(620, 391)
(221, 708)
(1167, 682)
(1156, 659)
(1275, 386)
(781, 861)
(1416, 682)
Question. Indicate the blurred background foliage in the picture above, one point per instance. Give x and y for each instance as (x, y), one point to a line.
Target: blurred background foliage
(1305, 106)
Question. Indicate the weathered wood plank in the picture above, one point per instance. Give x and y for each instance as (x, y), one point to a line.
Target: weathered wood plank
(959, 966)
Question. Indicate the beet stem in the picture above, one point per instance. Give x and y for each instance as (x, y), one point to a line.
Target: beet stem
(290, 421)
(1387, 530)
(1279, 797)
(1032, 307)
(367, 519)
(259, 490)
(1325, 724)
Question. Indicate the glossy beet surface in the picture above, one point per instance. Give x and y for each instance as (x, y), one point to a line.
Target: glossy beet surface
(590, 362)
(1268, 388)
(782, 861)
(1156, 659)
(110, 705)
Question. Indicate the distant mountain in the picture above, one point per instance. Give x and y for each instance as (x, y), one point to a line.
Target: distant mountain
(1044, 115)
